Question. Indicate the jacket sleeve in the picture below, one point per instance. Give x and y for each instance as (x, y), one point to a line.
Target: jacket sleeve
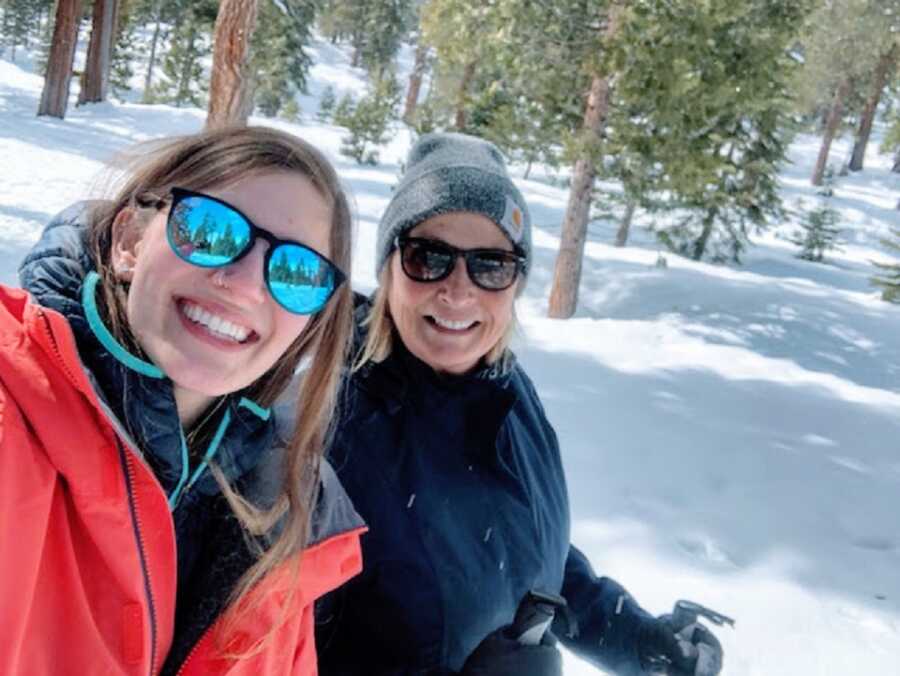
(607, 621)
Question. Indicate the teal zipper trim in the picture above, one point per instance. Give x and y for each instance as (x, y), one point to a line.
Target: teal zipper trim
(89, 301)
(176, 494)
(260, 412)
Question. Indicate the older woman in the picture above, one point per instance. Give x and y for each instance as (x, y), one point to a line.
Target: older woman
(448, 455)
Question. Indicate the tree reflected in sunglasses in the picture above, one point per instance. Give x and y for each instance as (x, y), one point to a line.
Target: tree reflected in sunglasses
(207, 232)
(430, 260)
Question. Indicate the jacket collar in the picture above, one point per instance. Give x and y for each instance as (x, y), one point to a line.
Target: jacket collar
(482, 398)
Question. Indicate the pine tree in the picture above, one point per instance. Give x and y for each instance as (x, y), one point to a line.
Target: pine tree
(20, 26)
(887, 44)
(385, 24)
(159, 14)
(415, 77)
(368, 119)
(231, 82)
(189, 43)
(125, 51)
(95, 77)
(375, 29)
(279, 62)
(889, 279)
(842, 44)
(460, 33)
(55, 95)
(819, 232)
(891, 142)
(709, 94)
(327, 102)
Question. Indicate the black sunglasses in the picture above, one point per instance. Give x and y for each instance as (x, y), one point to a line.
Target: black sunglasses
(430, 260)
(205, 231)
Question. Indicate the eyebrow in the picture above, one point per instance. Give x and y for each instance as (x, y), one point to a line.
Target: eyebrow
(436, 238)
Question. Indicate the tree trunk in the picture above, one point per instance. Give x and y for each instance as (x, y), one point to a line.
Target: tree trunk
(896, 167)
(95, 78)
(468, 74)
(885, 63)
(567, 273)
(415, 82)
(835, 113)
(229, 87)
(151, 62)
(625, 224)
(55, 96)
(700, 244)
(183, 89)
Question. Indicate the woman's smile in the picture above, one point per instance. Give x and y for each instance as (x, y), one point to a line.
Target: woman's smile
(206, 323)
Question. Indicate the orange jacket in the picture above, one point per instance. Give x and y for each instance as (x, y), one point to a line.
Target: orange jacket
(87, 546)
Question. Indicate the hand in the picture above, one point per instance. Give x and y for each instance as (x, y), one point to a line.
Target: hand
(691, 651)
(501, 655)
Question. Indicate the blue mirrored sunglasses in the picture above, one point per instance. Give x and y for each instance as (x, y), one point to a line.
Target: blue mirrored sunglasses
(210, 233)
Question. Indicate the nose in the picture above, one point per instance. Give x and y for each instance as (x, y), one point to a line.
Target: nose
(244, 281)
(457, 289)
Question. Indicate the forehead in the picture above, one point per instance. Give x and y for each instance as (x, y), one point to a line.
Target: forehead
(464, 230)
(286, 203)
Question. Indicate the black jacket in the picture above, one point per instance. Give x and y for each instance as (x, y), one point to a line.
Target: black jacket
(461, 484)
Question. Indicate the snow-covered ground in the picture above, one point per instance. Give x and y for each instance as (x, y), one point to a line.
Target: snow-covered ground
(731, 434)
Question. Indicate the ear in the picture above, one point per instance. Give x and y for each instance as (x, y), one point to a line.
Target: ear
(127, 233)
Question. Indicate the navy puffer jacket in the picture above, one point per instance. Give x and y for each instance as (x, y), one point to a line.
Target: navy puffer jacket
(461, 484)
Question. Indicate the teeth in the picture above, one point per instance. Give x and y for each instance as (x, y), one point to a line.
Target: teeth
(455, 326)
(215, 324)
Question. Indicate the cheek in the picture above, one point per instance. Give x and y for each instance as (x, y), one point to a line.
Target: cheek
(288, 328)
(500, 307)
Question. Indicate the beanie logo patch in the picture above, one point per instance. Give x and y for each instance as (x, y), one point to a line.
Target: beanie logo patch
(513, 220)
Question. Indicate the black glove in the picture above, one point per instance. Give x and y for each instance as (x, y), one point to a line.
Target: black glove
(501, 655)
(692, 651)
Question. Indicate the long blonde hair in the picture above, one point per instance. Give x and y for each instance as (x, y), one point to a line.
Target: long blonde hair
(213, 159)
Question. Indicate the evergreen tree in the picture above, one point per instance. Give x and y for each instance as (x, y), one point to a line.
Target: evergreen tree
(327, 102)
(231, 82)
(278, 60)
(708, 91)
(385, 24)
(20, 25)
(190, 40)
(98, 61)
(819, 232)
(461, 34)
(375, 29)
(891, 142)
(889, 279)
(368, 119)
(125, 51)
(842, 44)
(55, 94)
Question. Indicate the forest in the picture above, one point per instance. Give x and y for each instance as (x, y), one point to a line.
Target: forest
(683, 110)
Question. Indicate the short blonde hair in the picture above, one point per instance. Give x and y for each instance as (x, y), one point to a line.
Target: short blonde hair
(380, 330)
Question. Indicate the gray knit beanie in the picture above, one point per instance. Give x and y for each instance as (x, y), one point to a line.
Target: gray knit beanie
(455, 172)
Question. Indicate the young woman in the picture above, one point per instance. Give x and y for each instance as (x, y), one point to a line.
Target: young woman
(447, 454)
(163, 507)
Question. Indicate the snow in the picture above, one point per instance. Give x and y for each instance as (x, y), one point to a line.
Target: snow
(731, 435)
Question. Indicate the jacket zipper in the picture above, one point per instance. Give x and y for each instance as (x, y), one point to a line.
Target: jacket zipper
(125, 460)
(195, 648)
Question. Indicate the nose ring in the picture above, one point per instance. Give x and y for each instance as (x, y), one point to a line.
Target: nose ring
(218, 279)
